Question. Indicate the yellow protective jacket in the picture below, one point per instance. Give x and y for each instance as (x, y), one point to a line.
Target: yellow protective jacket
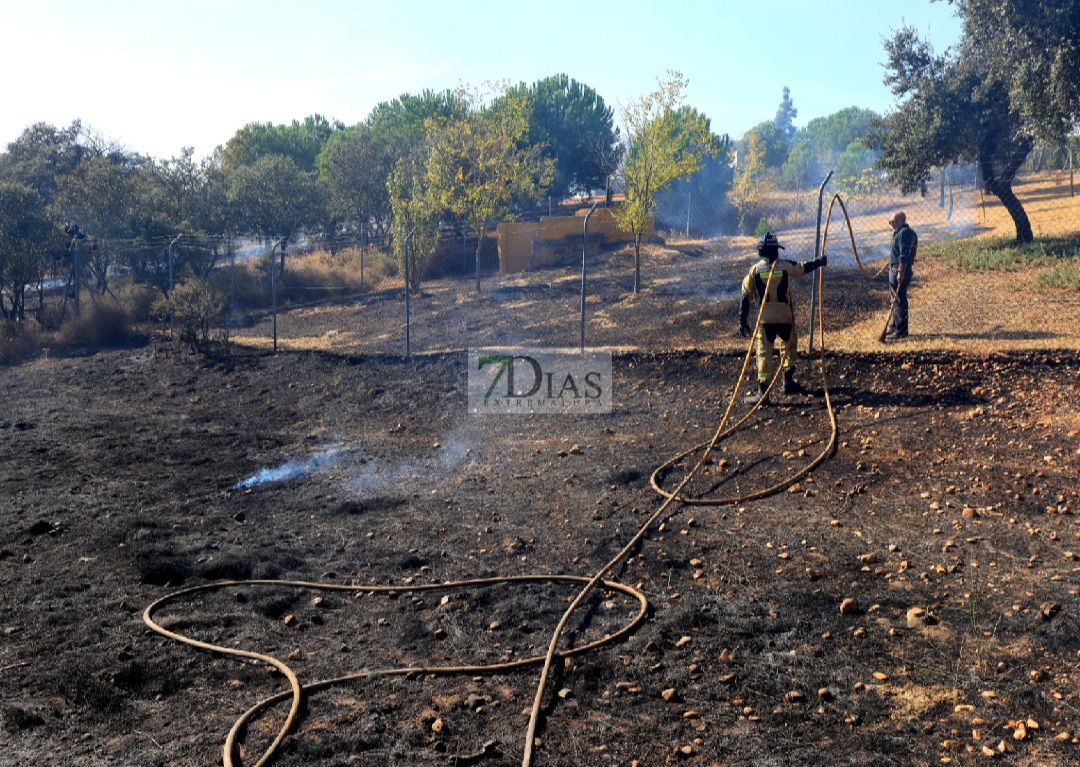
(778, 308)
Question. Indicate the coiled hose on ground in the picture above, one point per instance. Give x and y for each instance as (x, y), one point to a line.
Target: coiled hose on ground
(297, 690)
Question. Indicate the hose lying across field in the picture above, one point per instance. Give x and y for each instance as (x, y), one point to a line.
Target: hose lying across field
(589, 584)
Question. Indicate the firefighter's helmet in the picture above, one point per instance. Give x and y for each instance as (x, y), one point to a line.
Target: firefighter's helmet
(768, 246)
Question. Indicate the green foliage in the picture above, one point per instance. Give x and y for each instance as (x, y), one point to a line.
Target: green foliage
(1064, 276)
(476, 166)
(762, 227)
(301, 142)
(666, 141)
(855, 172)
(773, 140)
(194, 308)
(785, 115)
(831, 135)
(576, 129)
(416, 219)
(969, 105)
(42, 156)
(276, 199)
(1030, 46)
(751, 182)
(801, 167)
(355, 166)
(27, 240)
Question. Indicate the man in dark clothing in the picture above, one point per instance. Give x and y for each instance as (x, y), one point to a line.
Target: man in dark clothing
(901, 261)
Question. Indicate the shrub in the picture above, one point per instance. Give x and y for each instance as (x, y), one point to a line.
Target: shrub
(102, 323)
(194, 307)
(18, 340)
(762, 227)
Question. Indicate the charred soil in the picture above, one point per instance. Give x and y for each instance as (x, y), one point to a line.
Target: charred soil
(913, 599)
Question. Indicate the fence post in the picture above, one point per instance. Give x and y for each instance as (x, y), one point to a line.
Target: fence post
(584, 249)
(817, 253)
(273, 285)
(408, 290)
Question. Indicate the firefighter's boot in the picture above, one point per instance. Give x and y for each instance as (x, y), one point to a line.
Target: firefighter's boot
(753, 397)
(791, 386)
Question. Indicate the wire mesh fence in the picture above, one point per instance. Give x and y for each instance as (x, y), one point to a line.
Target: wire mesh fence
(448, 314)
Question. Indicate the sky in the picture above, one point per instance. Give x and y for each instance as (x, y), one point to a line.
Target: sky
(158, 76)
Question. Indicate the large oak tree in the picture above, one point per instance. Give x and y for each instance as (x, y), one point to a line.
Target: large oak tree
(1013, 79)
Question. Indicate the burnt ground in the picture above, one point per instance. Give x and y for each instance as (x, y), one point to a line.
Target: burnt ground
(947, 514)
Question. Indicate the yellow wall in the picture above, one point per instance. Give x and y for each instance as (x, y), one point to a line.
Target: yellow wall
(554, 239)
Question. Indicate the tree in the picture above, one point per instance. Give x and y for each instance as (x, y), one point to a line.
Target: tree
(275, 199)
(855, 169)
(42, 156)
(576, 128)
(355, 167)
(785, 116)
(299, 141)
(750, 181)
(415, 214)
(1031, 47)
(99, 195)
(831, 135)
(476, 167)
(1014, 79)
(773, 140)
(27, 238)
(666, 141)
(800, 167)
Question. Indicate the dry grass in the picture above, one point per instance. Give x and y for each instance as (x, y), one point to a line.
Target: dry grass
(1032, 304)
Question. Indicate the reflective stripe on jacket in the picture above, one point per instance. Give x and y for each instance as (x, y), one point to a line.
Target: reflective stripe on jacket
(778, 302)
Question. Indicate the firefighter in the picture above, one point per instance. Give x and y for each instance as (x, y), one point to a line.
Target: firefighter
(778, 316)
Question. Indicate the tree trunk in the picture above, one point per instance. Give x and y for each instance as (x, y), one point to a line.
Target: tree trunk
(637, 262)
(479, 246)
(1016, 210)
(999, 183)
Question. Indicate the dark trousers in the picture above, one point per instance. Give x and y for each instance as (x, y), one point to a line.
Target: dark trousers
(899, 285)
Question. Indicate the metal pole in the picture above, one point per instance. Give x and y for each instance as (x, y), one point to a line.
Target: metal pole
(584, 249)
(363, 247)
(408, 290)
(76, 271)
(273, 287)
(171, 245)
(817, 253)
(688, 214)
(232, 274)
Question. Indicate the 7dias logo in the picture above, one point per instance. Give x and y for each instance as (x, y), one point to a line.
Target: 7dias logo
(539, 381)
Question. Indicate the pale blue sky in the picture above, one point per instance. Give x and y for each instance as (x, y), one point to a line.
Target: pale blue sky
(157, 76)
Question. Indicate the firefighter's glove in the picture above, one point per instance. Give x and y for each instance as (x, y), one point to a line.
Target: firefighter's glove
(817, 263)
(744, 317)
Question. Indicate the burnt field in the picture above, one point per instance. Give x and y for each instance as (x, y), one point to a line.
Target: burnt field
(913, 600)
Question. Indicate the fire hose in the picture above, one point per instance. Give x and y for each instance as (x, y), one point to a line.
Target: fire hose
(297, 691)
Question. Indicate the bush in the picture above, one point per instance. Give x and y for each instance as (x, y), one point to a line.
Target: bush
(100, 324)
(762, 227)
(194, 307)
(138, 301)
(18, 340)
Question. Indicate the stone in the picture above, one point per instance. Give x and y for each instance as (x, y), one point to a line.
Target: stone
(849, 607)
